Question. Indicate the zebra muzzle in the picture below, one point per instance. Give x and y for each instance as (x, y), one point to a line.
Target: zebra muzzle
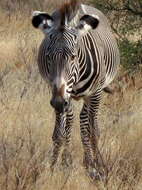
(59, 104)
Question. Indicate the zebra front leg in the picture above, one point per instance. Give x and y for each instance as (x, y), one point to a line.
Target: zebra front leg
(66, 155)
(58, 137)
(94, 103)
(85, 137)
(95, 134)
(90, 133)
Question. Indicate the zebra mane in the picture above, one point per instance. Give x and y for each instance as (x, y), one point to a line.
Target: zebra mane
(68, 10)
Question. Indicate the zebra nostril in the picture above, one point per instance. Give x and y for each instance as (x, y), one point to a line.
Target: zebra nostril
(65, 103)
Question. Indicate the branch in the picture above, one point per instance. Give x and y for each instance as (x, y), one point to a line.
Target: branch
(135, 12)
(126, 7)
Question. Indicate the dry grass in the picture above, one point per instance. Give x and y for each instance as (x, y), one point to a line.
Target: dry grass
(27, 122)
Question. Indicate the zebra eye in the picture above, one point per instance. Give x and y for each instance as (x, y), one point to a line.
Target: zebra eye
(51, 35)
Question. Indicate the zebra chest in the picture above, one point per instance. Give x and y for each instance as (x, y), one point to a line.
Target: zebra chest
(86, 82)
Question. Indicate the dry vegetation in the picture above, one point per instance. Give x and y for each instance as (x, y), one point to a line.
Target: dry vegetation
(27, 121)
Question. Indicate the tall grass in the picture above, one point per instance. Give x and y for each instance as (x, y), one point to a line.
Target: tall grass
(27, 120)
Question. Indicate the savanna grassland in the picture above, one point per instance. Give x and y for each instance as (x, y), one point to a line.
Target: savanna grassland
(27, 119)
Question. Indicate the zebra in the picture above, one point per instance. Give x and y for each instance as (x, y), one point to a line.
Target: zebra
(78, 58)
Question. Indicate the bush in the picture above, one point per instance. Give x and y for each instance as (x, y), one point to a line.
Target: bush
(131, 54)
(125, 18)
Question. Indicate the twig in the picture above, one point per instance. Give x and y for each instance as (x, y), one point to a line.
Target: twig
(65, 182)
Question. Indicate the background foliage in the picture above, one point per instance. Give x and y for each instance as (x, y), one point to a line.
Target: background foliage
(126, 22)
(125, 17)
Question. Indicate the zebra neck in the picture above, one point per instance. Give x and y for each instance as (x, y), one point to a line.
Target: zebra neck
(86, 60)
(88, 67)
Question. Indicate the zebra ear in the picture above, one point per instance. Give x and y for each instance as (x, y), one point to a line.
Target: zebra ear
(87, 23)
(42, 20)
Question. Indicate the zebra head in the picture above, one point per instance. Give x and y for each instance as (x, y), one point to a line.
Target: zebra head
(61, 47)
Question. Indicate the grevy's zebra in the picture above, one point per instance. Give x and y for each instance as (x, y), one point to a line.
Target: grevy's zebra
(79, 58)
